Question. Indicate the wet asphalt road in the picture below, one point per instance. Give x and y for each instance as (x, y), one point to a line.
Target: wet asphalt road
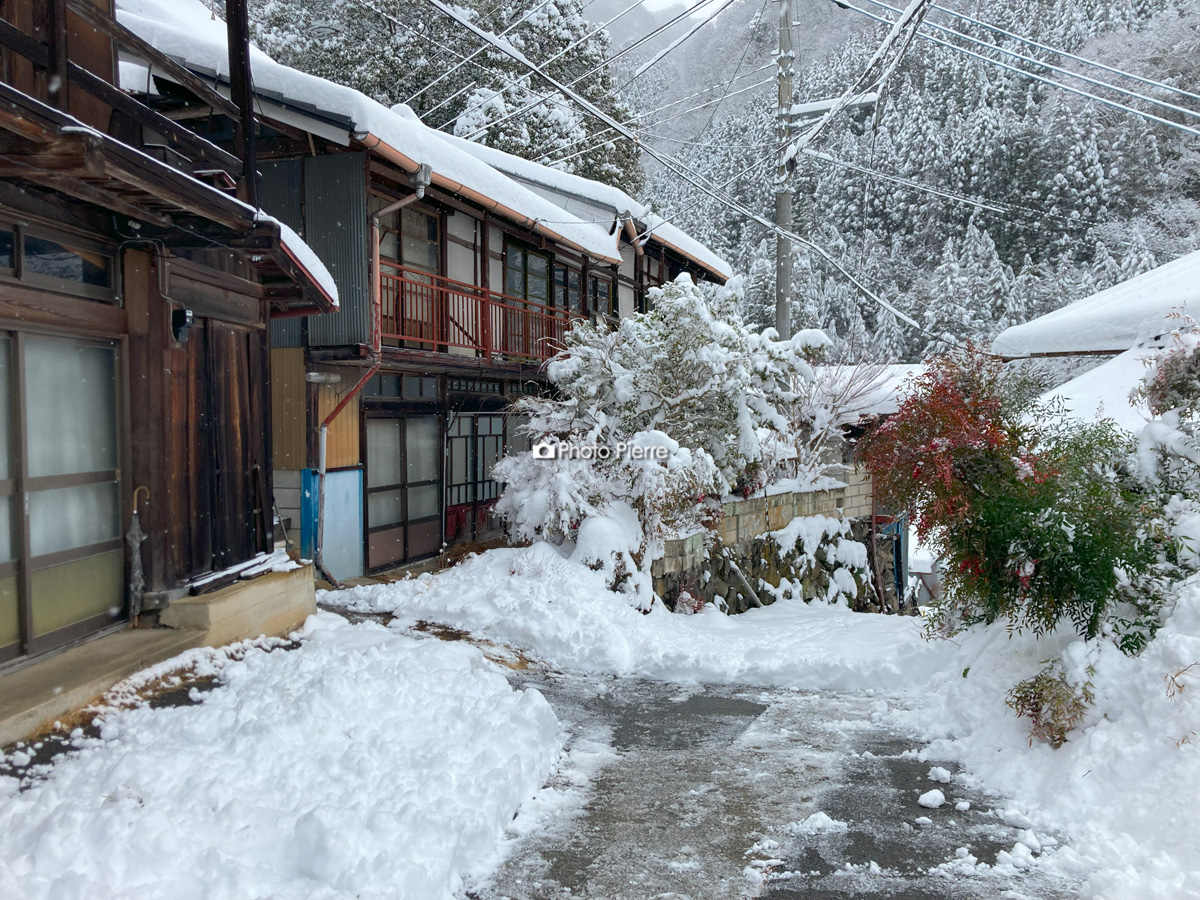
(703, 794)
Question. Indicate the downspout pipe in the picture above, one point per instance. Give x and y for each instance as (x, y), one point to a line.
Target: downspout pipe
(421, 179)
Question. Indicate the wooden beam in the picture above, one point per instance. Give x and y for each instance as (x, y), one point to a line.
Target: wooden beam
(18, 117)
(195, 146)
(107, 200)
(18, 41)
(19, 303)
(95, 17)
(56, 53)
(66, 156)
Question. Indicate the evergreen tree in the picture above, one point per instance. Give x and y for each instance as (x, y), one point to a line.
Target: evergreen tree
(400, 52)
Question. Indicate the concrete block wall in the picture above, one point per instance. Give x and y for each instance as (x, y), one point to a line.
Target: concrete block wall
(858, 493)
(745, 520)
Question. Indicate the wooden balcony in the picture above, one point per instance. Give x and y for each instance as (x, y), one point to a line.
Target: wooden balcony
(430, 312)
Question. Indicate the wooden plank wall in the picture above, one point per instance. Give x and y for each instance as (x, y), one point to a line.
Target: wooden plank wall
(288, 408)
(342, 448)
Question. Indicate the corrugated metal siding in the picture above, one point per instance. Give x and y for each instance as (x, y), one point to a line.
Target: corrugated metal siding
(281, 194)
(335, 195)
(288, 417)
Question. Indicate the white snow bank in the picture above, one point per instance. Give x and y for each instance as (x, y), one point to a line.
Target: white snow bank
(561, 612)
(1114, 319)
(363, 764)
(1125, 786)
(1105, 391)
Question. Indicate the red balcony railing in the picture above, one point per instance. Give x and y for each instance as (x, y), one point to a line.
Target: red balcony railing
(435, 313)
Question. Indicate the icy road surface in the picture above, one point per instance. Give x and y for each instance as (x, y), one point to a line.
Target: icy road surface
(673, 792)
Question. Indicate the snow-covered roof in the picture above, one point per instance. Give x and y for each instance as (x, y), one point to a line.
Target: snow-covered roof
(597, 194)
(1113, 320)
(1104, 392)
(188, 32)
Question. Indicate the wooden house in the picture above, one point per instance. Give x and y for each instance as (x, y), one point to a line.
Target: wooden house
(135, 297)
(457, 282)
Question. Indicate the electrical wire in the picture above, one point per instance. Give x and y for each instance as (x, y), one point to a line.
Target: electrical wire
(1063, 53)
(1051, 66)
(545, 97)
(732, 79)
(1050, 81)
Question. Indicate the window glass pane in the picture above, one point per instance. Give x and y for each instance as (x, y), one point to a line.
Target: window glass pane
(70, 395)
(515, 283)
(489, 452)
(429, 387)
(539, 288)
(6, 548)
(386, 507)
(574, 287)
(383, 452)
(5, 430)
(420, 254)
(66, 518)
(539, 266)
(6, 249)
(63, 595)
(389, 247)
(10, 628)
(422, 502)
(46, 257)
(424, 449)
(458, 460)
(412, 387)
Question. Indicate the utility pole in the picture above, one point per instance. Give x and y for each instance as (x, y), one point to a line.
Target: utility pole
(783, 195)
(241, 92)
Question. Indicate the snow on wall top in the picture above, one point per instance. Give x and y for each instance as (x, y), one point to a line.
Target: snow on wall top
(1114, 319)
(595, 192)
(187, 31)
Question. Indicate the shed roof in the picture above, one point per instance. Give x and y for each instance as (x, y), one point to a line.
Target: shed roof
(1113, 320)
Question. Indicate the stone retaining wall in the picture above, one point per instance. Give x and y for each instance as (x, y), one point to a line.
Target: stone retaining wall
(686, 564)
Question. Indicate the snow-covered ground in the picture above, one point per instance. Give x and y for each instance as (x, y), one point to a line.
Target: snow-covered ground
(364, 763)
(1125, 788)
(371, 761)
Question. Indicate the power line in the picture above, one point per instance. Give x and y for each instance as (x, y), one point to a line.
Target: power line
(408, 100)
(880, 68)
(732, 78)
(1066, 55)
(633, 120)
(1051, 66)
(1050, 81)
(654, 33)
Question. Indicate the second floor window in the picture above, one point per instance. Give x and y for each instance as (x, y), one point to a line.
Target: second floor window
(568, 288)
(411, 237)
(527, 274)
(601, 296)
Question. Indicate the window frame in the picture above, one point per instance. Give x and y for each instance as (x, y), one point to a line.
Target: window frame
(526, 250)
(71, 240)
(20, 486)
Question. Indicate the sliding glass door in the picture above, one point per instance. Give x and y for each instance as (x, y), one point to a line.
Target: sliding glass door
(61, 556)
(404, 489)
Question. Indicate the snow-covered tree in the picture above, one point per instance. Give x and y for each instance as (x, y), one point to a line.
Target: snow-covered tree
(401, 51)
(688, 377)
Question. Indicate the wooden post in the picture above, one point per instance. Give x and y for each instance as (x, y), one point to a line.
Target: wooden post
(241, 92)
(56, 39)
